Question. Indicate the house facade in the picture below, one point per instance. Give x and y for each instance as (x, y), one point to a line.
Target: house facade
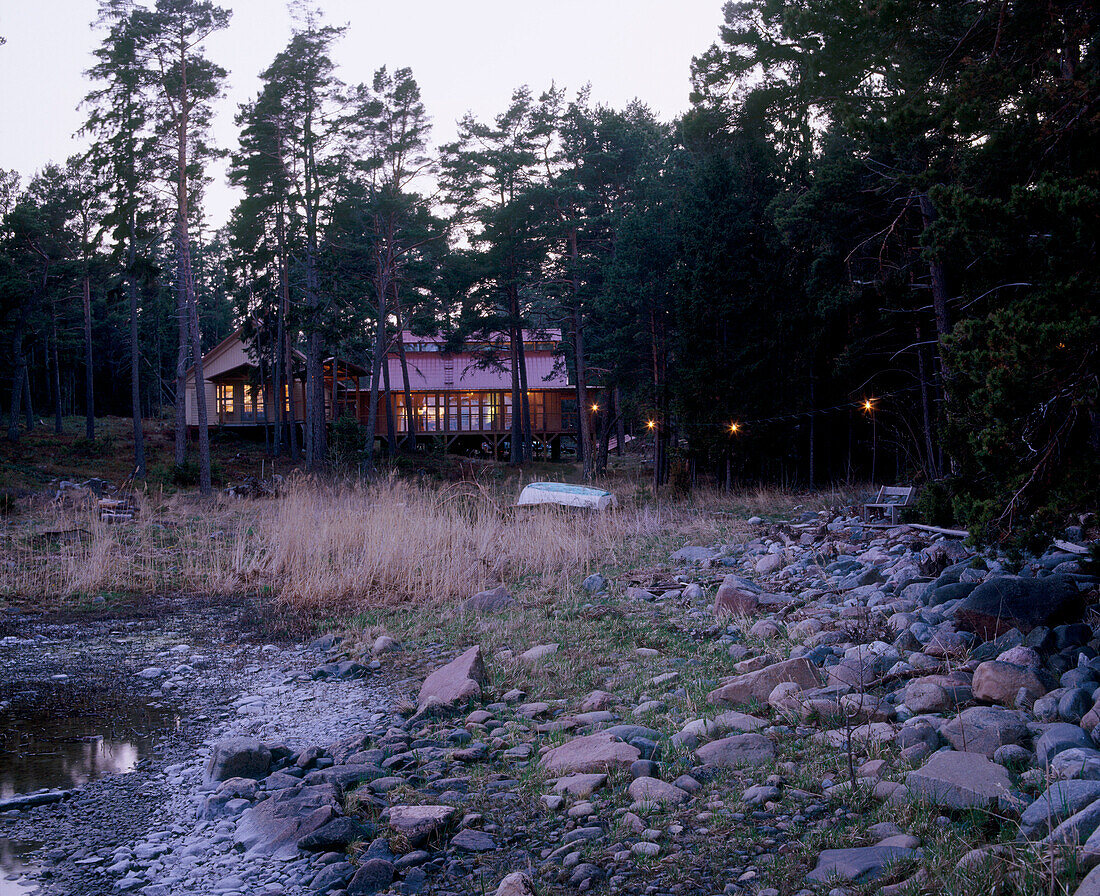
(461, 399)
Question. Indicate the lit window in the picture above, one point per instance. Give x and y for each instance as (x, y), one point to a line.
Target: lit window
(225, 398)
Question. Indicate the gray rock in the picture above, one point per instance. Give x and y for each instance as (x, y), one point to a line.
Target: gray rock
(1077, 763)
(982, 729)
(335, 836)
(959, 780)
(491, 601)
(274, 826)
(859, 864)
(373, 876)
(469, 840)
(455, 683)
(332, 877)
(238, 757)
(1004, 602)
(736, 751)
(656, 791)
(585, 873)
(345, 776)
(1057, 803)
(1073, 704)
(516, 884)
(1059, 737)
(419, 823)
(1076, 829)
(594, 584)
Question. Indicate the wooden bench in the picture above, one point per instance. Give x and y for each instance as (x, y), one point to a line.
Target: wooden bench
(888, 502)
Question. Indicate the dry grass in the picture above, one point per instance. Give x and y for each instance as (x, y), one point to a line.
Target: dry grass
(325, 547)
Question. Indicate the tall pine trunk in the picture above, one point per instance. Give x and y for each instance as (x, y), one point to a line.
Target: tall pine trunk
(375, 376)
(20, 373)
(55, 370)
(189, 304)
(89, 373)
(515, 452)
(316, 432)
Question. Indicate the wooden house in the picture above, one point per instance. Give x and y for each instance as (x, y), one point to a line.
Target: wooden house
(461, 399)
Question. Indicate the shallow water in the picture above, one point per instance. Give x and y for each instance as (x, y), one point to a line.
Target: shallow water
(12, 868)
(45, 750)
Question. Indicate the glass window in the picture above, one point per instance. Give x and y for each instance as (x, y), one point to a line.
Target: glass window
(225, 399)
(535, 405)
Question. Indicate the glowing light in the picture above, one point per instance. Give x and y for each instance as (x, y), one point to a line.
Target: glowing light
(735, 428)
(595, 408)
(651, 424)
(868, 404)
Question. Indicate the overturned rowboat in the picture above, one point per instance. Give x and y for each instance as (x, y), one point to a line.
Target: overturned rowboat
(566, 495)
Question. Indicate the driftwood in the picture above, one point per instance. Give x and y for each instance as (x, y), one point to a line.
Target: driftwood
(1070, 547)
(937, 530)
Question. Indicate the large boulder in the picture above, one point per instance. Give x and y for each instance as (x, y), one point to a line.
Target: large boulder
(1058, 738)
(601, 752)
(960, 780)
(654, 790)
(736, 596)
(859, 864)
(419, 823)
(1057, 803)
(1004, 602)
(743, 689)
(516, 884)
(736, 751)
(456, 683)
(238, 757)
(491, 601)
(999, 682)
(982, 729)
(274, 826)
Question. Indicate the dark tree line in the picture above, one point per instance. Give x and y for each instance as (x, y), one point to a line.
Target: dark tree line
(868, 249)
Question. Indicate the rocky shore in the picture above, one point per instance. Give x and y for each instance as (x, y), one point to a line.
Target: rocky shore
(821, 707)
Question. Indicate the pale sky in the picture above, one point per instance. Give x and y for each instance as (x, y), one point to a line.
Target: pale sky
(467, 55)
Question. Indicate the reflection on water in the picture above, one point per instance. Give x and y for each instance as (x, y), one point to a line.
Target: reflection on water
(43, 751)
(13, 869)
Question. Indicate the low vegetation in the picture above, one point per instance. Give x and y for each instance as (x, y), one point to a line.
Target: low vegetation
(328, 547)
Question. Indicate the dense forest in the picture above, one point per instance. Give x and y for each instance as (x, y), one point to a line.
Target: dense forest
(868, 249)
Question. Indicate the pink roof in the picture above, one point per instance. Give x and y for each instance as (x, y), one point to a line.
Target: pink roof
(461, 371)
(428, 371)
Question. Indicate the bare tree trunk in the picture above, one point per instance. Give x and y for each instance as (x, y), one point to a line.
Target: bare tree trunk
(410, 411)
(926, 407)
(19, 375)
(189, 304)
(55, 373)
(135, 385)
(316, 432)
(89, 373)
(181, 377)
(291, 399)
(528, 443)
(620, 422)
(580, 360)
(391, 425)
(28, 405)
(515, 452)
(375, 376)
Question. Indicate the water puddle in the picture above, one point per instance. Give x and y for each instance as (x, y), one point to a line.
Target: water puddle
(45, 749)
(14, 880)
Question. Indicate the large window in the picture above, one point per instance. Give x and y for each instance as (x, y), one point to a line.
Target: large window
(252, 409)
(225, 400)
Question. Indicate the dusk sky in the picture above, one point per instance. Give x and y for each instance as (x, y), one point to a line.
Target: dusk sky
(465, 56)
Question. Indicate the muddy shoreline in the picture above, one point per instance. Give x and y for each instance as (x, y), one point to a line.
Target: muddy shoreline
(123, 704)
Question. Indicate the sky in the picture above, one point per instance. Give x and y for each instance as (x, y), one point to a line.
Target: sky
(466, 55)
